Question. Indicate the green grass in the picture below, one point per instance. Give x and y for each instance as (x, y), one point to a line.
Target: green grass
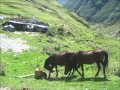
(25, 63)
(43, 45)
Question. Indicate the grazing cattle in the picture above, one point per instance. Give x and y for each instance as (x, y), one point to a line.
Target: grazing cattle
(56, 59)
(87, 57)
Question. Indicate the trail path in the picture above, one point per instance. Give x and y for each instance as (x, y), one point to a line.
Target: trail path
(14, 44)
(5, 88)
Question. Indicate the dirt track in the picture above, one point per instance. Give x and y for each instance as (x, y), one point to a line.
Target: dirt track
(5, 88)
(16, 45)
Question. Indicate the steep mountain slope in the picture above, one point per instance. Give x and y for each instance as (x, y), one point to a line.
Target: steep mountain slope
(106, 12)
(47, 11)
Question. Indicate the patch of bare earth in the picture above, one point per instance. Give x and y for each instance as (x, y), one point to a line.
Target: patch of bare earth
(14, 44)
(4, 88)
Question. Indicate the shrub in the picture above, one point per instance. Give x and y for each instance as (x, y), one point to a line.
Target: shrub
(59, 30)
(64, 30)
(52, 31)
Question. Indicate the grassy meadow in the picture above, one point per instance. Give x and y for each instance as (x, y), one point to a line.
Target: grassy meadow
(56, 40)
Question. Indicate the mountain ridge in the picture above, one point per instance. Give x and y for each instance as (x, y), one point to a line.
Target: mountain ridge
(106, 11)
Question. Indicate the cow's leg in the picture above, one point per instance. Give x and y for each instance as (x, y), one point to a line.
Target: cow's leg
(78, 71)
(56, 71)
(82, 70)
(49, 74)
(98, 65)
(104, 67)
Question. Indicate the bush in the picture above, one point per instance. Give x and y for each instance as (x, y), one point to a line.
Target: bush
(59, 30)
(64, 30)
(52, 31)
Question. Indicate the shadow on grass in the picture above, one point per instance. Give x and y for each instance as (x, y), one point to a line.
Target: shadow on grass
(62, 78)
(98, 79)
(75, 79)
(72, 79)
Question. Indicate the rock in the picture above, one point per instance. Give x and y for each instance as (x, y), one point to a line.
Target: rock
(39, 74)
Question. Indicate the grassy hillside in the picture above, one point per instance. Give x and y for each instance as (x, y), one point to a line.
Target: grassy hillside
(73, 36)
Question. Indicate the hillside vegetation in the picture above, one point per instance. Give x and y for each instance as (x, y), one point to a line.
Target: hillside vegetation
(103, 12)
(66, 33)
